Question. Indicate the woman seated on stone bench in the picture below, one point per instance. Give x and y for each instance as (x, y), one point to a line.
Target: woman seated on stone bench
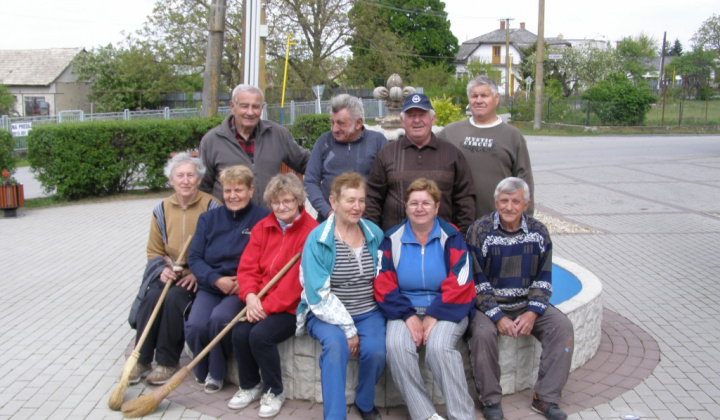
(273, 242)
(173, 221)
(220, 238)
(339, 263)
(425, 290)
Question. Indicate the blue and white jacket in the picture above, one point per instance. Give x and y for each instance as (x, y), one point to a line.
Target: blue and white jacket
(316, 267)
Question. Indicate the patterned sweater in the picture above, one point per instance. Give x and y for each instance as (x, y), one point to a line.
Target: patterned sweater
(513, 270)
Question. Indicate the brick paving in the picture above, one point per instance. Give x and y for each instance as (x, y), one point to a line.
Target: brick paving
(69, 273)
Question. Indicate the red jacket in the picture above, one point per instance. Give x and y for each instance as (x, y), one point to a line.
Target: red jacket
(266, 254)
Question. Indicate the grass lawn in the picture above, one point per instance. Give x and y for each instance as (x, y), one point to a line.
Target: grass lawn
(693, 113)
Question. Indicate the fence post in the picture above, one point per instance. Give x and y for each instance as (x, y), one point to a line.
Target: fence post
(82, 116)
(126, 115)
(292, 112)
(166, 113)
(5, 123)
(587, 116)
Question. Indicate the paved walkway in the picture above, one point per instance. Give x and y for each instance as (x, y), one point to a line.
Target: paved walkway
(68, 275)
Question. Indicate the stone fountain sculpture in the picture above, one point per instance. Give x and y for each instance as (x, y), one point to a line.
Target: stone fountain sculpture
(393, 93)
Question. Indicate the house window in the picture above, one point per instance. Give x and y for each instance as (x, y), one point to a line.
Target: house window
(496, 55)
(36, 105)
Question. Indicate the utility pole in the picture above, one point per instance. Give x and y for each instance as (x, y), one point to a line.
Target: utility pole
(213, 59)
(539, 67)
(252, 34)
(507, 60)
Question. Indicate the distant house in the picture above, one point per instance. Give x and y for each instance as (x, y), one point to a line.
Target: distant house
(42, 81)
(490, 48)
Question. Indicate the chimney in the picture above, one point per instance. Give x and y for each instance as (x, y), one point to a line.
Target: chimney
(502, 24)
(522, 25)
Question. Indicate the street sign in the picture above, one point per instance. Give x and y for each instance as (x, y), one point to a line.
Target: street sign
(555, 56)
(20, 129)
(528, 80)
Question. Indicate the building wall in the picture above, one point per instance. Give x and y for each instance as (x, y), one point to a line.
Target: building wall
(484, 53)
(21, 93)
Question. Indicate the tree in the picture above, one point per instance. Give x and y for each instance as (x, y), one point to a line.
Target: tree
(320, 28)
(636, 53)
(695, 67)
(674, 51)
(125, 78)
(708, 35)
(617, 101)
(580, 67)
(176, 33)
(7, 101)
(422, 25)
(377, 52)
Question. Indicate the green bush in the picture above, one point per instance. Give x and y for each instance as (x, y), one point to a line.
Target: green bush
(446, 111)
(104, 158)
(8, 160)
(617, 101)
(310, 127)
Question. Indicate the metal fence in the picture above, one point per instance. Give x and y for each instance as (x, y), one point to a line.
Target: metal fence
(373, 109)
(587, 113)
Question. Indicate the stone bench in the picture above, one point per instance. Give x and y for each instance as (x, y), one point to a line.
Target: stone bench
(519, 358)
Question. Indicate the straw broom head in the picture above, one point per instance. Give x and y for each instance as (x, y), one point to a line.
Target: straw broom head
(116, 399)
(146, 404)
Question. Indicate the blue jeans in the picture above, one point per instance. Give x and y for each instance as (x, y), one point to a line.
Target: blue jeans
(334, 360)
(209, 315)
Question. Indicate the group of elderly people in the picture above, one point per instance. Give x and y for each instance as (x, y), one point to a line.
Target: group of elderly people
(360, 292)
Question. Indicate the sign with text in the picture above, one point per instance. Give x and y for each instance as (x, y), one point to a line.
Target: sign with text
(555, 56)
(20, 129)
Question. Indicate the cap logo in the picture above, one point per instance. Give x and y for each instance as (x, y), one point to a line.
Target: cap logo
(416, 98)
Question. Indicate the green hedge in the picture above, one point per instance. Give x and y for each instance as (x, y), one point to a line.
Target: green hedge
(8, 159)
(104, 158)
(310, 127)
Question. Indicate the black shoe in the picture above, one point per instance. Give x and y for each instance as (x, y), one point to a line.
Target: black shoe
(493, 412)
(548, 409)
(369, 415)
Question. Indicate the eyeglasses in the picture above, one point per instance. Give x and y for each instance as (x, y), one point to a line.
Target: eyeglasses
(427, 205)
(287, 203)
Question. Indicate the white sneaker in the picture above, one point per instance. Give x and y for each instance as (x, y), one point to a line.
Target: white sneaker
(436, 416)
(270, 404)
(244, 397)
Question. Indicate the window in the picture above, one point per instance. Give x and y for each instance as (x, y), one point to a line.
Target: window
(36, 105)
(496, 55)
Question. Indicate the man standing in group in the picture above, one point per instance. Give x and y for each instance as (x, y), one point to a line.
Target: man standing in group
(493, 149)
(244, 139)
(419, 154)
(347, 147)
(512, 259)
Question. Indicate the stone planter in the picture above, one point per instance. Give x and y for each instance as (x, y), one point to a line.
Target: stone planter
(11, 197)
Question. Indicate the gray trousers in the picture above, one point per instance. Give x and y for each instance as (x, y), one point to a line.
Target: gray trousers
(554, 331)
(443, 360)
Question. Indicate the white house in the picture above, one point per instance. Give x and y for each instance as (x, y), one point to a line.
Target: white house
(490, 48)
(42, 81)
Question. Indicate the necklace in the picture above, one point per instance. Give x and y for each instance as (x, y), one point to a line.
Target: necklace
(348, 248)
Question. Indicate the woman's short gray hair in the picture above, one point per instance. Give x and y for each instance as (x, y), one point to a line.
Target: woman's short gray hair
(482, 80)
(510, 185)
(282, 183)
(247, 88)
(353, 105)
(179, 159)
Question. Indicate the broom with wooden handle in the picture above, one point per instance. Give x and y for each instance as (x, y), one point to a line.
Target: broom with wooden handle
(146, 404)
(116, 398)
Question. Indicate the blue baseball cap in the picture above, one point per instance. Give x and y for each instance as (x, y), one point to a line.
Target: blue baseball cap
(417, 100)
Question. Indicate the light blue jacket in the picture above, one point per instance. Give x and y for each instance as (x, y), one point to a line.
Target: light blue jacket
(316, 267)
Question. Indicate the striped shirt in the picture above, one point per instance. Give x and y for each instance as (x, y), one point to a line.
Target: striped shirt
(352, 278)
